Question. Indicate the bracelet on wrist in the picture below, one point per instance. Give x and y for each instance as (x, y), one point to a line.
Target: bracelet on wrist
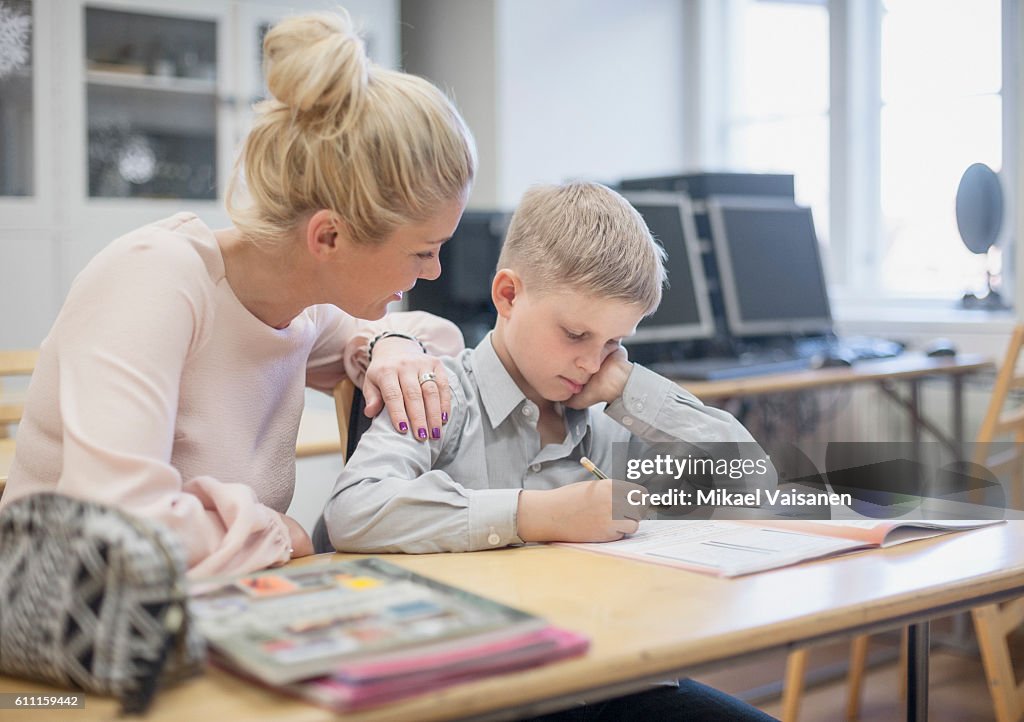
(388, 334)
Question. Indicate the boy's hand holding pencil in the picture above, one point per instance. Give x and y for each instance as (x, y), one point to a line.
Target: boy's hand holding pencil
(580, 512)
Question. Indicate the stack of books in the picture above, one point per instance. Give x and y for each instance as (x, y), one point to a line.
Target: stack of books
(351, 634)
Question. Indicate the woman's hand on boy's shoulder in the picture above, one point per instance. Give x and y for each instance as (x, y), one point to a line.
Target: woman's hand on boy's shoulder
(607, 384)
(412, 385)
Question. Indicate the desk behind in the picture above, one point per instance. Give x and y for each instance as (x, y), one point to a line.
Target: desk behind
(318, 430)
(318, 434)
(911, 368)
(646, 622)
(906, 367)
(6, 458)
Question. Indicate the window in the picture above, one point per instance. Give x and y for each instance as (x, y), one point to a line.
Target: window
(941, 111)
(918, 95)
(777, 107)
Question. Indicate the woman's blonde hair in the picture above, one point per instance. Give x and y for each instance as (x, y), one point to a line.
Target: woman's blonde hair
(380, 148)
(587, 238)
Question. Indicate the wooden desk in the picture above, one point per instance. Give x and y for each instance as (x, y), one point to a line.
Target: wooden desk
(12, 405)
(6, 457)
(646, 622)
(907, 367)
(911, 368)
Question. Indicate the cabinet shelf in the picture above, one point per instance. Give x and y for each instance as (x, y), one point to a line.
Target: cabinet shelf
(134, 81)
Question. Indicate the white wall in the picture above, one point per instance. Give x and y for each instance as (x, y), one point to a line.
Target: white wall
(588, 88)
(556, 89)
(451, 43)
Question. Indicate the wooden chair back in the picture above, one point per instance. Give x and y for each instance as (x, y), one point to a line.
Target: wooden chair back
(994, 623)
(1004, 421)
(349, 406)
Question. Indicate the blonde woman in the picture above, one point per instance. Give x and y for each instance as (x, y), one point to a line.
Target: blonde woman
(172, 381)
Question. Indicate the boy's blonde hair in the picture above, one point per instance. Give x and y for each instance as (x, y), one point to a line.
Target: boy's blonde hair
(380, 148)
(588, 238)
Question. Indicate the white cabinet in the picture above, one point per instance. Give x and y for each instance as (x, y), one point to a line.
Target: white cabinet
(124, 112)
(152, 98)
(17, 111)
(26, 114)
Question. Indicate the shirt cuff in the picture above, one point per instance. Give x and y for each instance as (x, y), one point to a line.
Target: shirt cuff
(492, 518)
(642, 397)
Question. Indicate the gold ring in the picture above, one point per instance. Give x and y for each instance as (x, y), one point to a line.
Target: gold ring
(429, 376)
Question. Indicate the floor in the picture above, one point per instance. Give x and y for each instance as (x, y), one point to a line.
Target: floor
(958, 691)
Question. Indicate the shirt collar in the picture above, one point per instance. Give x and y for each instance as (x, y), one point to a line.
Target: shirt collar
(501, 395)
(498, 392)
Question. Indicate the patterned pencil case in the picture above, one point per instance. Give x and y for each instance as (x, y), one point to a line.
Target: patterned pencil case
(94, 598)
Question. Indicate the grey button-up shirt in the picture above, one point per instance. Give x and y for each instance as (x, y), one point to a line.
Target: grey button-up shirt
(460, 493)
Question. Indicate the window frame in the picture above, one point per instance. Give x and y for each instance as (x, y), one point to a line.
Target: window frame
(855, 103)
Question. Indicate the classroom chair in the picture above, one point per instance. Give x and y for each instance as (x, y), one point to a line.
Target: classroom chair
(12, 364)
(993, 623)
(352, 422)
(348, 406)
(796, 666)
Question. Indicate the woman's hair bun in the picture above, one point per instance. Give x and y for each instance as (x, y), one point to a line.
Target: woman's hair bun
(316, 63)
(379, 148)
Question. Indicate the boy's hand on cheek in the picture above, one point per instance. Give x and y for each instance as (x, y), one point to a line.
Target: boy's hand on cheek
(607, 384)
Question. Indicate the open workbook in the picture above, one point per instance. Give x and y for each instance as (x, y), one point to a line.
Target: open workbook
(345, 634)
(735, 548)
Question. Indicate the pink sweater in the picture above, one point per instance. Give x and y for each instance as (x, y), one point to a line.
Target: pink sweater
(158, 392)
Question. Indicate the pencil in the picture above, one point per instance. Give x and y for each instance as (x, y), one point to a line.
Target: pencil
(590, 466)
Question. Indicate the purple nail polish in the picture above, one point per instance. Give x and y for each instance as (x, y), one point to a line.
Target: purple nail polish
(422, 433)
(403, 427)
(435, 432)
(444, 417)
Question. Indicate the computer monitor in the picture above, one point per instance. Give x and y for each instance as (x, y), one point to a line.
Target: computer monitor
(462, 294)
(769, 264)
(703, 184)
(685, 312)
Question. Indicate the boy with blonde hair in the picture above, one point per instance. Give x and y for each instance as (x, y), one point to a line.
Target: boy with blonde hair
(578, 270)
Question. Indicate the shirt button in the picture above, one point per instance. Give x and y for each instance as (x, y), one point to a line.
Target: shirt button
(527, 411)
(535, 468)
(627, 420)
(493, 539)
(638, 406)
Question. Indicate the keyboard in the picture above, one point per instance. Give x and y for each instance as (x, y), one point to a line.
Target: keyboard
(719, 369)
(808, 354)
(856, 348)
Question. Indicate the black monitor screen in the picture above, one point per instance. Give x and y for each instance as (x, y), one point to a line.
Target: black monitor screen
(770, 267)
(463, 292)
(684, 312)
